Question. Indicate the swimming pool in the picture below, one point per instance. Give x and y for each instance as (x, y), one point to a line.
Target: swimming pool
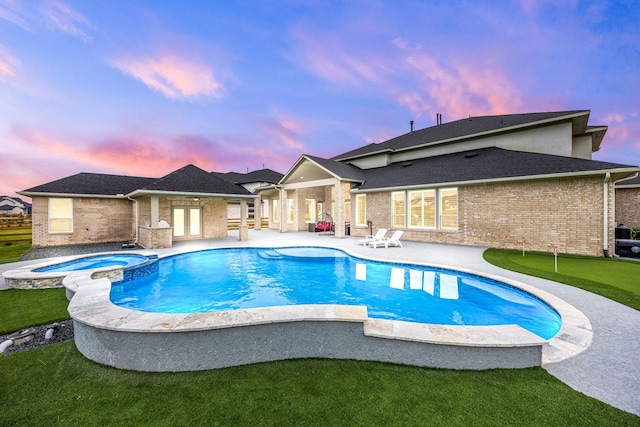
(51, 273)
(168, 342)
(97, 261)
(244, 278)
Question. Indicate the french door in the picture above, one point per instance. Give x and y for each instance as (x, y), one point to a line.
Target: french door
(187, 222)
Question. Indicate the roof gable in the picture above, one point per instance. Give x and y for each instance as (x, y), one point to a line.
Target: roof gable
(310, 168)
(192, 179)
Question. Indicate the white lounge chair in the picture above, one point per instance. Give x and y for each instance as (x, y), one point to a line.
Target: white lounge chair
(370, 238)
(394, 240)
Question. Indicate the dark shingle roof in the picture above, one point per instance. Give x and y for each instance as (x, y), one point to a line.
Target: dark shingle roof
(630, 182)
(189, 179)
(343, 170)
(477, 165)
(192, 179)
(261, 175)
(92, 184)
(455, 130)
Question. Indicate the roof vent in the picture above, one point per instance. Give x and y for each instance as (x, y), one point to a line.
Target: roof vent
(407, 164)
(471, 155)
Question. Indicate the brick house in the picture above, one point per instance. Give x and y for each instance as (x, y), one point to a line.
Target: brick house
(186, 204)
(250, 181)
(486, 181)
(628, 202)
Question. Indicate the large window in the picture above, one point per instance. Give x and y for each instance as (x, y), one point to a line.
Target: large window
(361, 209)
(60, 215)
(423, 209)
(448, 208)
(310, 210)
(434, 208)
(290, 211)
(275, 212)
(398, 209)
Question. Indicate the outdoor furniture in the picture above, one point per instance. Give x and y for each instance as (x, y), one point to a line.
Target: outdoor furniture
(394, 240)
(370, 238)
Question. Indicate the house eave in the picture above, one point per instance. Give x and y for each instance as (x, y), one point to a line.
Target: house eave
(621, 171)
(139, 193)
(73, 195)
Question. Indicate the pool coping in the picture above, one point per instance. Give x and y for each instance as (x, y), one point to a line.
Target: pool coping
(26, 278)
(91, 306)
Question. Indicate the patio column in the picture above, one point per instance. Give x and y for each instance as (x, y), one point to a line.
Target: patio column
(257, 213)
(243, 230)
(339, 209)
(155, 211)
(283, 210)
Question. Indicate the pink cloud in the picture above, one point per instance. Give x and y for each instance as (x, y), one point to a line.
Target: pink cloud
(458, 90)
(174, 75)
(327, 57)
(285, 130)
(58, 153)
(65, 19)
(8, 64)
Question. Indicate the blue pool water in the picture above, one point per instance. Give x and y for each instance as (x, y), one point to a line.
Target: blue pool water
(228, 279)
(97, 261)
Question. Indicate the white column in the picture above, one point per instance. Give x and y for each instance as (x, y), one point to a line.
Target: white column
(257, 213)
(283, 210)
(340, 208)
(155, 211)
(243, 230)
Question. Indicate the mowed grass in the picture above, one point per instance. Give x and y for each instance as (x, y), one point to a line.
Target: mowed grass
(14, 242)
(22, 308)
(56, 385)
(616, 279)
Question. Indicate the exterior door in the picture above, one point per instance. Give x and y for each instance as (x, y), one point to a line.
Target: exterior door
(187, 222)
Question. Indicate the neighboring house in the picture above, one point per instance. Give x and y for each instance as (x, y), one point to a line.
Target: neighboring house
(188, 203)
(14, 206)
(628, 202)
(250, 181)
(485, 181)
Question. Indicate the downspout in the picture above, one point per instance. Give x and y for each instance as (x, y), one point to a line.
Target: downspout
(605, 205)
(136, 223)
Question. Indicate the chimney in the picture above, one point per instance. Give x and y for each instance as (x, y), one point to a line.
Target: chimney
(411, 123)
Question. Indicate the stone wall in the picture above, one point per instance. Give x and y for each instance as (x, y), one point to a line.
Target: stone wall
(628, 207)
(95, 220)
(567, 213)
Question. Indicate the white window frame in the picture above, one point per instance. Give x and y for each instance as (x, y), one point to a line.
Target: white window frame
(361, 216)
(422, 208)
(51, 217)
(442, 215)
(275, 210)
(291, 211)
(310, 211)
(439, 215)
(402, 215)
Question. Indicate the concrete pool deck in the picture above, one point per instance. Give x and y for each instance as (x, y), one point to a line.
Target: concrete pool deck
(608, 370)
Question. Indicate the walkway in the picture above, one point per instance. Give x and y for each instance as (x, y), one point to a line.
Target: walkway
(609, 370)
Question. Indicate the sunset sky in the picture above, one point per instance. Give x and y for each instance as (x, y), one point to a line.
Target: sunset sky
(145, 87)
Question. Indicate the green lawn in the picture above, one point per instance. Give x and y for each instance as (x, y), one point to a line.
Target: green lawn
(615, 279)
(56, 385)
(21, 308)
(14, 242)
